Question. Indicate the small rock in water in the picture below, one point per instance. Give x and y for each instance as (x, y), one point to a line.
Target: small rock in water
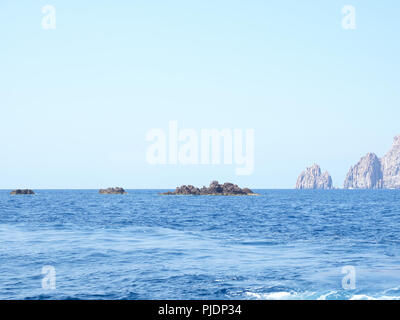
(22, 191)
(116, 190)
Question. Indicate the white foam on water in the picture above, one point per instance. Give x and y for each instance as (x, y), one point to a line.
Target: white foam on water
(280, 295)
(324, 296)
(362, 297)
(284, 295)
(366, 297)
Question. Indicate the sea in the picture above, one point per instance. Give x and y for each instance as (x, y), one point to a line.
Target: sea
(282, 244)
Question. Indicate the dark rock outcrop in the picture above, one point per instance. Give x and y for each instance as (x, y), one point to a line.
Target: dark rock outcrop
(366, 174)
(215, 189)
(22, 191)
(116, 190)
(312, 178)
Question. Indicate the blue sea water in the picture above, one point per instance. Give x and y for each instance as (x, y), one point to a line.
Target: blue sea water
(283, 244)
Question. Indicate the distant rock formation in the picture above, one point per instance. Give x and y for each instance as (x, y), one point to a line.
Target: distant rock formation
(22, 191)
(366, 174)
(391, 166)
(215, 189)
(313, 179)
(116, 190)
(373, 173)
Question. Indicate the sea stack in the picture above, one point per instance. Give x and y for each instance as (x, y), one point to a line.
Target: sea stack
(374, 173)
(366, 174)
(215, 189)
(22, 191)
(312, 178)
(116, 190)
(391, 166)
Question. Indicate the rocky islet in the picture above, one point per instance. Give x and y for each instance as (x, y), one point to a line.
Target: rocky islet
(117, 190)
(215, 188)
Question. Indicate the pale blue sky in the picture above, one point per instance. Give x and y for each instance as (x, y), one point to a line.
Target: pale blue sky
(76, 102)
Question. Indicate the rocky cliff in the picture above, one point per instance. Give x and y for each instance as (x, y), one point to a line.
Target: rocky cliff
(366, 174)
(312, 178)
(391, 166)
